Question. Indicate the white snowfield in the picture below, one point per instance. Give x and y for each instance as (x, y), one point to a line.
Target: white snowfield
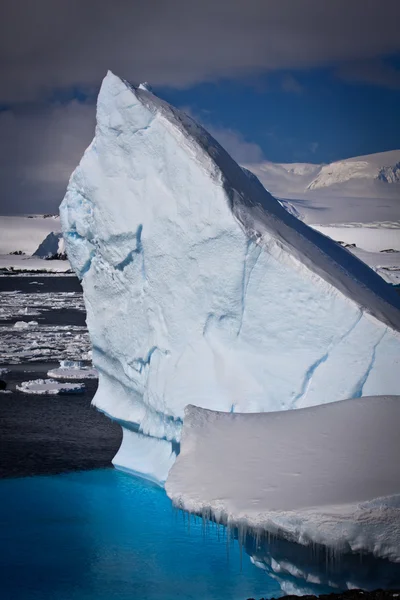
(365, 188)
(201, 288)
(376, 244)
(325, 475)
(356, 200)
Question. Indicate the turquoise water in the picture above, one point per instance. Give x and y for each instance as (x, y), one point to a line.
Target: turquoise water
(105, 535)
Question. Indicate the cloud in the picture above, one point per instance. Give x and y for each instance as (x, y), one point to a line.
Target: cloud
(241, 150)
(50, 44)
(375, 72)
(38, 151)
(53, 49)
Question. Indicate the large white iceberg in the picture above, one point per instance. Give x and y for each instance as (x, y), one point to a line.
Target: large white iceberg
(200, 288)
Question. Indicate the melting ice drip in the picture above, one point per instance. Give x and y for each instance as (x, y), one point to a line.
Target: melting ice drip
(313, 495)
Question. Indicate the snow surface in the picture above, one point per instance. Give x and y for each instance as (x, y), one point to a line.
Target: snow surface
(50, 386)
(376, 244)
(29, 264)
(201, 288)
(327, 474)
(364, 187)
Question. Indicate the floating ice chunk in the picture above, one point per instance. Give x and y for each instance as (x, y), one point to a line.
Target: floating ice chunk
(73, 370)
(4, 371)
(52, 247)
(50, 386)
(326, 475)
(25, 324)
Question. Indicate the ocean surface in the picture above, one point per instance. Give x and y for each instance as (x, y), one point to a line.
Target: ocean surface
(72, 527)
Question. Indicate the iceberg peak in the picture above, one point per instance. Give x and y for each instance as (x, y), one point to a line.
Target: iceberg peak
(202, 289)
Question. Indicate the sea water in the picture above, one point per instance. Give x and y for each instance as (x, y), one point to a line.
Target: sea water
(105, 535)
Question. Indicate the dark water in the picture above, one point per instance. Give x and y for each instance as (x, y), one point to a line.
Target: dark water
(56, 434)
(73, 528)
(84, 533)
(29, 284)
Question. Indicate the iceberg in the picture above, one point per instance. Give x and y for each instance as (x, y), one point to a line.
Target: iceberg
(326, 475)
(52, 247)
(200, 288)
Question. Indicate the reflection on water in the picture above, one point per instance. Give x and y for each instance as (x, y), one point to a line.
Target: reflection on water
(314, 569)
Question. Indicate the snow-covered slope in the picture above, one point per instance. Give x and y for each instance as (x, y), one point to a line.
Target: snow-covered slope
(324, 475)
(383, 167)
(201, 288)
(286, 179)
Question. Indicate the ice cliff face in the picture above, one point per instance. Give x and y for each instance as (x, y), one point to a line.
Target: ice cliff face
(200, 288)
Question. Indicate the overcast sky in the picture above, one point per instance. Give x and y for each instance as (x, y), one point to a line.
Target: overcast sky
(281, 80)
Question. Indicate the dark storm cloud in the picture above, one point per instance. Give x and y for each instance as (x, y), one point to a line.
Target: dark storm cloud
(52, 49)
(38, 151)
(57, 43)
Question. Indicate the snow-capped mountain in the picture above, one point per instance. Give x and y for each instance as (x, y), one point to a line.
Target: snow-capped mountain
(383, 167)
(364, 175)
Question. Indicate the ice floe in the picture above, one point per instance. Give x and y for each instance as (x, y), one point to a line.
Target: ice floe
(69, 369)
(50, 386)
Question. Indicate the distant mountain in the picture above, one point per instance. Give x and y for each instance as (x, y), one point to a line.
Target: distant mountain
(383, 167)
(300, 178)
(361, 189)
